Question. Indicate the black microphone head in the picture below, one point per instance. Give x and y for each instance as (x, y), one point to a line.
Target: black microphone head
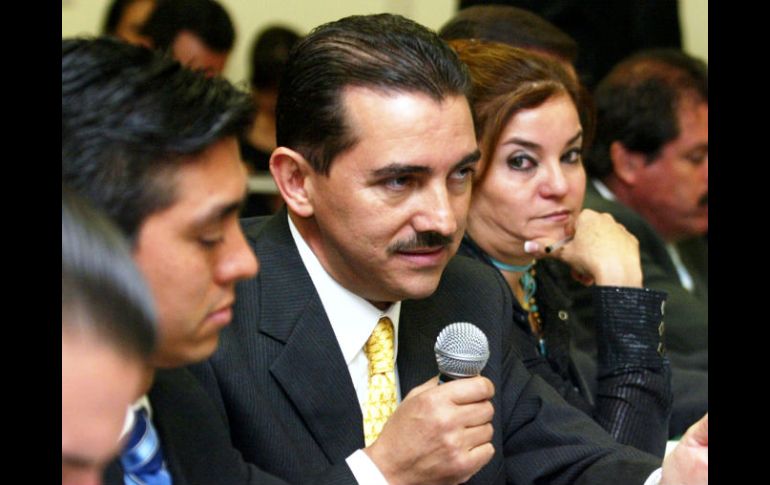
(462, 350)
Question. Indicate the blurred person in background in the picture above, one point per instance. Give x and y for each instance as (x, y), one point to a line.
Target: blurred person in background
(516, 27)
(197, 33)
(124, 19)
(269, 53)
(606, 31)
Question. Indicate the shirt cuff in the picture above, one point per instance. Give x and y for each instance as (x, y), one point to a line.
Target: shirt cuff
(654, 479)
(366, 471)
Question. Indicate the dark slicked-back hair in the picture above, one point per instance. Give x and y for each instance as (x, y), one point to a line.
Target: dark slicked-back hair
(130, 117)
(507, 80)
(637, 104)
(383, 52)
(269, 54)
(513, 26)
(206, 19)
(103, 293)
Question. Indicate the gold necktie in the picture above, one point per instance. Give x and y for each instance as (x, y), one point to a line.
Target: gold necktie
(381, 398)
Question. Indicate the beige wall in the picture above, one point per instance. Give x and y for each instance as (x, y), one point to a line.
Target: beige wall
(86, 16)
(694, 15)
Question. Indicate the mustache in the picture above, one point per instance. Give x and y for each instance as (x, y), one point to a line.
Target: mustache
(704, 201)
(421, 240)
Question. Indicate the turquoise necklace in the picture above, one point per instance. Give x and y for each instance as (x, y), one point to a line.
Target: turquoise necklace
(529, 286)
(527, 280)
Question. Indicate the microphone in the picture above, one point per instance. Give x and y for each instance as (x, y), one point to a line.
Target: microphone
(461, 350)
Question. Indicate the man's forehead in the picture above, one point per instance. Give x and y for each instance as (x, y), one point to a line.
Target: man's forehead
(407, 126)
(691, 105)
(202, 207)
(692, 117)
(392, 91)
(354, 96)
(377, 108)
(206, 186)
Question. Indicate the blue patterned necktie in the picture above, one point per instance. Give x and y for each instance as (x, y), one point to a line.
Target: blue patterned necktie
(142, 457)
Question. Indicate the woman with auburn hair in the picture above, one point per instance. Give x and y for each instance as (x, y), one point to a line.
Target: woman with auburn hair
(526, 219)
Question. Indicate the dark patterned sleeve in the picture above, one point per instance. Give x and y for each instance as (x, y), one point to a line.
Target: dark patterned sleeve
(634, 400)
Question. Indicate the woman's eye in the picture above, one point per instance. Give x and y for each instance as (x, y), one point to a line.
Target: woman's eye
(572, 156)
(521, 162)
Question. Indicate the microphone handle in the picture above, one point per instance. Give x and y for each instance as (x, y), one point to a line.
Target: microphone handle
(444, 378)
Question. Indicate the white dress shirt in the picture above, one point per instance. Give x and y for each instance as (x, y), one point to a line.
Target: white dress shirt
(352, 319)
(128, 425)
(681, 269)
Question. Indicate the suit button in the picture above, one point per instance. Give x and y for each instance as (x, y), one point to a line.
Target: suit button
(661, 349)
(661, 328)
(563, 315)
(663, 307)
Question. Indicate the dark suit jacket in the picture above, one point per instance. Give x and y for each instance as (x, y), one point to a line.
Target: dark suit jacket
(686, 315)
(280, 378)
(194, 439)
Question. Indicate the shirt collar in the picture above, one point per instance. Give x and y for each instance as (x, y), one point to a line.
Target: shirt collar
(142, 402)
(603, 190)
(352, 318)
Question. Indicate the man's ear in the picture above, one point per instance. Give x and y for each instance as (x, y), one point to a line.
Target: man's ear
(626, 164)
(292, 174)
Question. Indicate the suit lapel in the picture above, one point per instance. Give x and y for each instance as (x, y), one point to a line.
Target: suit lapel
(170, 456)
(310, 369)
(176, 452)
(416, 360)
(113, 474)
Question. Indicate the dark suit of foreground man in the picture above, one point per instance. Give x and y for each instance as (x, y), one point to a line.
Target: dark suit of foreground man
(376, 152)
